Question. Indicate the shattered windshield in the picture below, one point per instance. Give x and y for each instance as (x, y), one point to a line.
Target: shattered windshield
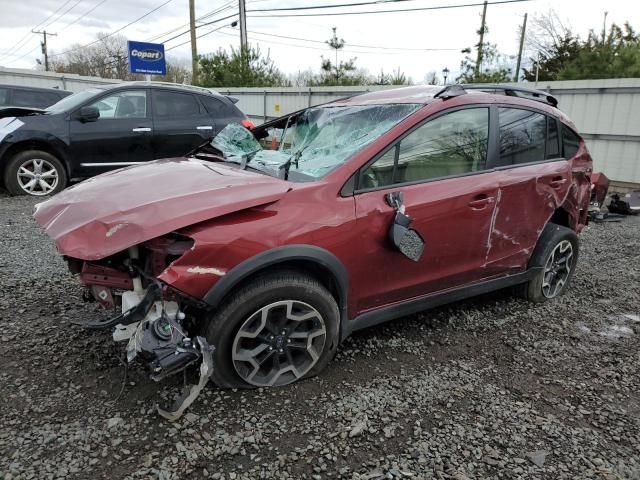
(313, 142)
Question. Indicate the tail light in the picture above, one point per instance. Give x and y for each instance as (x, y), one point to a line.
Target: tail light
(248, 123)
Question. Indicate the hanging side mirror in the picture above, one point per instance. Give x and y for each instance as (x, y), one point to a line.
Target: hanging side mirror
(407, 240)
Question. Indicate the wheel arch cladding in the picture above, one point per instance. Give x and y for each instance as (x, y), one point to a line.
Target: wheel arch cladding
(318, 262)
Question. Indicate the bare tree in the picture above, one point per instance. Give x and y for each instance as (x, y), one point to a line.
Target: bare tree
(431, 78)
(107, 58)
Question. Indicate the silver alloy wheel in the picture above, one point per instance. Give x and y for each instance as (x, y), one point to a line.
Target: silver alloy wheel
(557, 269)
(279, 343)
(37, 176)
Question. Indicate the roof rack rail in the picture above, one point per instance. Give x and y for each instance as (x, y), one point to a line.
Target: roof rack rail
(195, 88)
(512, 91)
(537, 95)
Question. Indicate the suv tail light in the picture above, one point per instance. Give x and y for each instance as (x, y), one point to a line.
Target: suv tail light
(248, 123)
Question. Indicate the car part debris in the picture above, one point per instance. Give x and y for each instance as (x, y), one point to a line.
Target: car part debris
(625, 204)
(176, 409)
(599, 189)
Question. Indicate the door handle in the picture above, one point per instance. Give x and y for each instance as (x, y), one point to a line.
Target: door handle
(480, 201)
(141, 129)
(204, 127)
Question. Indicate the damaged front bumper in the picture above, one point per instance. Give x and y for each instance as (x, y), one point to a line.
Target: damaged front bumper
(155, 331)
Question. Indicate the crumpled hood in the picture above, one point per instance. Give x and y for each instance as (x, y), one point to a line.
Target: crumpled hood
(111, 212)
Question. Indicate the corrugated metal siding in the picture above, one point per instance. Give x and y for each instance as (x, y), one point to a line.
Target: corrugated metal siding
(63, 81)
(606, 112)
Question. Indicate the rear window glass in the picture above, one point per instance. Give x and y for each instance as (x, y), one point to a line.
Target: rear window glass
(174, 104)
(522, 136)
(553, 139)
(30, 98)
(216, 107)
(570, 143)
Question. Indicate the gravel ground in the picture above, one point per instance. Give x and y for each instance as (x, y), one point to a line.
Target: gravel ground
(489, 388)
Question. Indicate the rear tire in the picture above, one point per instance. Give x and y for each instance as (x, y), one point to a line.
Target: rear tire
(277, 329)
(34, 172)
(556, 257)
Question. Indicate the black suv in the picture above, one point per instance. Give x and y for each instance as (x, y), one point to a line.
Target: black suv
(104, 128)
(19, 96)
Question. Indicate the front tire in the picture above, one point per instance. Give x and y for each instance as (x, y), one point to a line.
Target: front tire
(34, 172)
(556, 256)
(277, 329)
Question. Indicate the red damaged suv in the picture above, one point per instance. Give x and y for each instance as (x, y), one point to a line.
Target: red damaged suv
(257, 254)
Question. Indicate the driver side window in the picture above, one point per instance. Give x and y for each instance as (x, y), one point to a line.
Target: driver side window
(452, 144)
(127, 104)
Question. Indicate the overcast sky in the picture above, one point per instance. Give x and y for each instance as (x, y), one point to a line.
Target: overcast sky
(452, 29)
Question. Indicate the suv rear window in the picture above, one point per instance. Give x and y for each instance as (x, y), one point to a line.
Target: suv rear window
(30, 98)
(570, 143)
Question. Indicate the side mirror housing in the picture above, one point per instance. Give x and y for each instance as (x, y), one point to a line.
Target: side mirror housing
(404, 238)
(88, 114)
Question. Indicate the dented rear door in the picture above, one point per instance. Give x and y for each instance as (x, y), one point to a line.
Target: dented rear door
(533, 181)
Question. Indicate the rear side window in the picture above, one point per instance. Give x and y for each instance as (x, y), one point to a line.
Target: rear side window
(27, 98)
(175, 104)
(570, 143)
(527, 136)
(522, 136)
(553, 139)
(452, 144)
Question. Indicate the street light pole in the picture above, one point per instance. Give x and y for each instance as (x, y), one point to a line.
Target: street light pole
(445, 74)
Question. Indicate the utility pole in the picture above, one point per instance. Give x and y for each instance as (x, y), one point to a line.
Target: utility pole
(244, 44)
(43, 44)
(481, 44)
(522, 33)
(194, 47)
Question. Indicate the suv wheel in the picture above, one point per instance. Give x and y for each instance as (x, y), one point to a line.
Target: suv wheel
(34, 172)
(556, 256)
(277, 329)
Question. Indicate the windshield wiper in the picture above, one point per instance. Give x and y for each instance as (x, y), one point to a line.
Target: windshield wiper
(283, 169)
(247, 157)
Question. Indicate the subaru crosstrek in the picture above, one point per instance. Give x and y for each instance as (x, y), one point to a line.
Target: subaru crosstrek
(258, 254)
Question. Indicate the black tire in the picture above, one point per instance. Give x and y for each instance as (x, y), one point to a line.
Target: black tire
(552, 239)
(265, 290)
(28, 157)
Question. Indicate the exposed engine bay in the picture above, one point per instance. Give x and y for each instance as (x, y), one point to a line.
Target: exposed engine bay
(155, 320)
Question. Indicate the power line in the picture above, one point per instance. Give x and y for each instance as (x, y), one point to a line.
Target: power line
(13, 47)
(222, 8)
(84, 14)
(199, 36)
(62, 14)
(115, 31)
(417, 9)
(309, 47)
(354, 44)
(201, 25)
(341, 5)
(24, 55)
